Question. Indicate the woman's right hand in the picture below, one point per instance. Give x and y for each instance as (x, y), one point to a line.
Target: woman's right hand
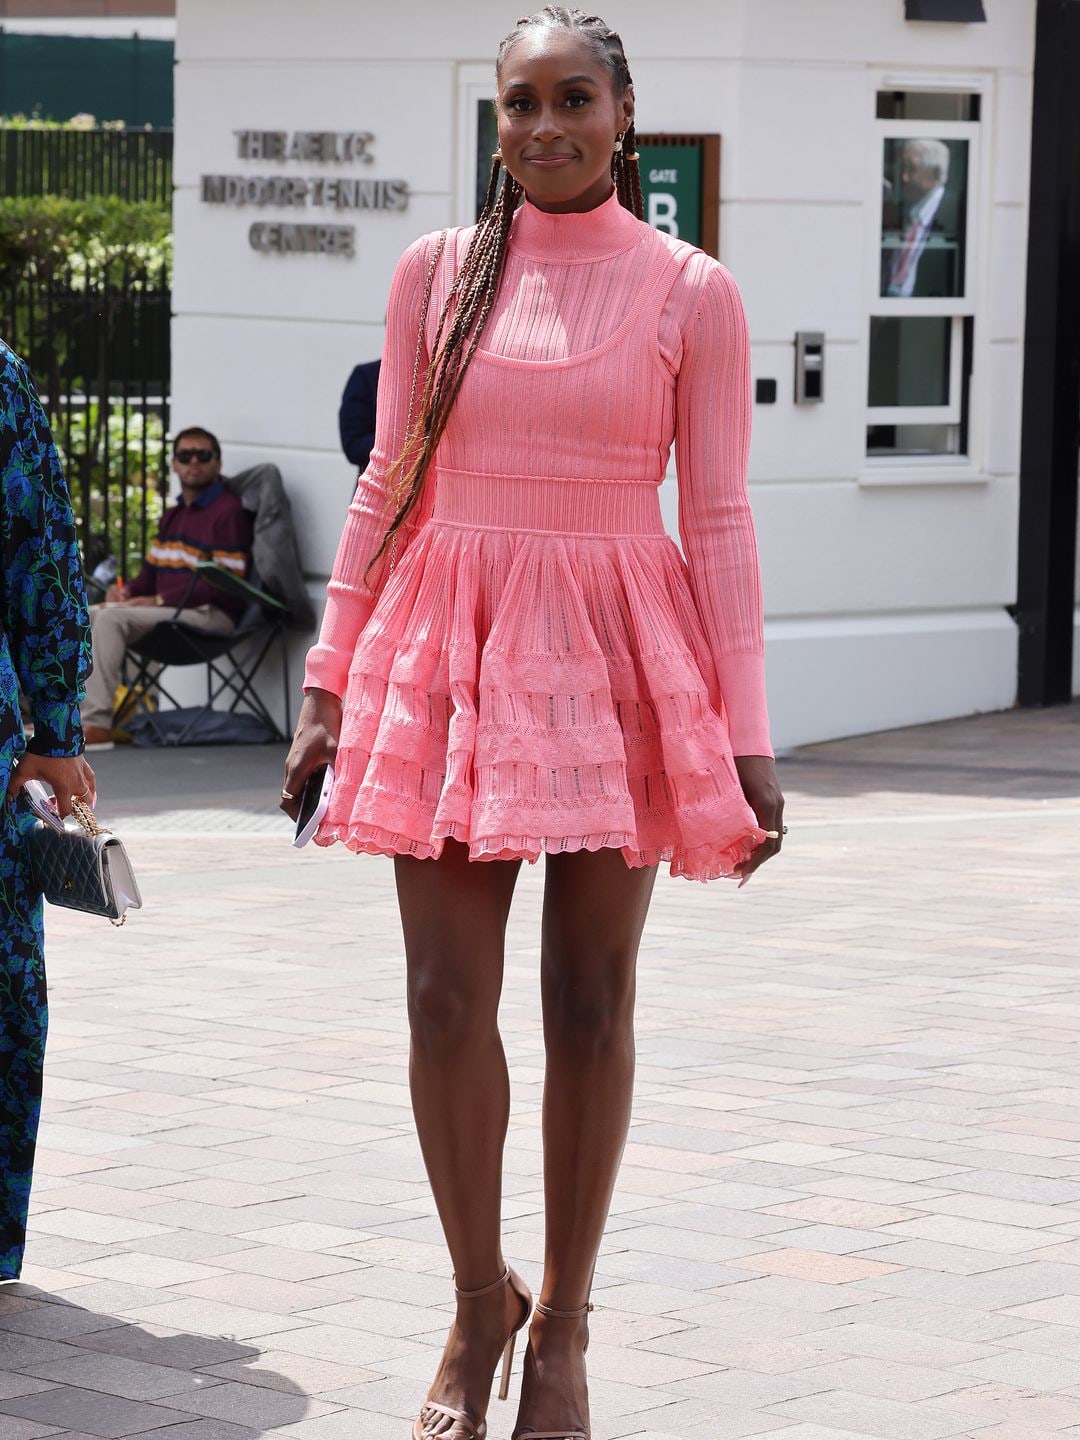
(69, 777)
(314, 743)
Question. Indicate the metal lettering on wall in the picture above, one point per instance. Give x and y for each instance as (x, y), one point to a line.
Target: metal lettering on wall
(338, 193)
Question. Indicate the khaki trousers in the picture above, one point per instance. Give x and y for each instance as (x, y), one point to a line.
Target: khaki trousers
(114, 628)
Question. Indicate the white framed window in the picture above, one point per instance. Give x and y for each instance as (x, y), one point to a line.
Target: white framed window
(479, 137)
(923, 276)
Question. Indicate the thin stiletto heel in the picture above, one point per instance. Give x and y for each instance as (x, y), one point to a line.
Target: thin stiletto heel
(434, 1413)
(507, 1366)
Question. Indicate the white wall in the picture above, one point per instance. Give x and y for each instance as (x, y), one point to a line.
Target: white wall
(885, 601)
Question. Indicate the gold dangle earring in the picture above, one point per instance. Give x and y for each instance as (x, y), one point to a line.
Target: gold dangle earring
(618, 143)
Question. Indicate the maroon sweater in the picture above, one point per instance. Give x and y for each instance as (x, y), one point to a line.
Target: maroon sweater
(215, 527)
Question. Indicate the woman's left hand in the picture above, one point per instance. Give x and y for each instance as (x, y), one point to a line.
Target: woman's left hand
(69, 777)
(757, 776)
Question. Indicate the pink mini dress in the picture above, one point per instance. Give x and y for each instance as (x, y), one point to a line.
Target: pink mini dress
(541, 670)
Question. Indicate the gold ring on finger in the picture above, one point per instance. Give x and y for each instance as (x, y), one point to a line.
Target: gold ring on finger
(287, 795)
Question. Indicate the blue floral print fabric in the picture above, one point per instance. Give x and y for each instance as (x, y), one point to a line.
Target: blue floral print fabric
(45, 649)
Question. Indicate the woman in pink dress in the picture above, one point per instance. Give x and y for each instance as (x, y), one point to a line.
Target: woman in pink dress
(515, 659)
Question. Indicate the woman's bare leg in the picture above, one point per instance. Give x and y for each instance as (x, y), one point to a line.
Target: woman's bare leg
(454, 917)
(594, 912)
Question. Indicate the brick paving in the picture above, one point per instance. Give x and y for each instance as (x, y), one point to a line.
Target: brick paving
(849, 1204)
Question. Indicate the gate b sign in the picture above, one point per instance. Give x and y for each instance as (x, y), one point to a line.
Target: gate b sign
(680, 185)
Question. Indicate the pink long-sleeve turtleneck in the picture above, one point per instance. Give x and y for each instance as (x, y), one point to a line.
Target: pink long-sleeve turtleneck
(607, 342)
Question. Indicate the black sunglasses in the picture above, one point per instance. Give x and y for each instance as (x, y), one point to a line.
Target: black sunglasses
(186, 456)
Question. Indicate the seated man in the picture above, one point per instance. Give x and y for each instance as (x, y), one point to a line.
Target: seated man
(208, 523)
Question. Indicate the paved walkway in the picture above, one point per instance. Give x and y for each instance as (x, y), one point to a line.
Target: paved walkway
(848, 1208)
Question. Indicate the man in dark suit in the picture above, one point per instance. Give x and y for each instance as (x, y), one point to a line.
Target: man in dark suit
(356, 418)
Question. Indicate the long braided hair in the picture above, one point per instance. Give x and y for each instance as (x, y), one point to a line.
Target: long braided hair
(468, 304)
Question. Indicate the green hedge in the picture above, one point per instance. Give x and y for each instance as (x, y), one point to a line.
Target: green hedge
(97, 234)
(52, 250)
(77, 122)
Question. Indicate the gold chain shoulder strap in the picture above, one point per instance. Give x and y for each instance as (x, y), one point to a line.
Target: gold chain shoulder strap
(89, 824)
(87, 819)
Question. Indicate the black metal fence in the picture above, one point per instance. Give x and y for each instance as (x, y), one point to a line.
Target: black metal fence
(99, 350)
(134, 164)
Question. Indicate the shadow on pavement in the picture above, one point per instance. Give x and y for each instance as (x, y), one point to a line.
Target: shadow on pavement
(189, 777)
(94, 1373)
(1015, 755)
(1012, 755)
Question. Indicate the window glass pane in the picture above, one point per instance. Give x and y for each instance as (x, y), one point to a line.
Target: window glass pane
(923, 217)
(487, 142)
(909, 359)
(913, 440)
(926, 105)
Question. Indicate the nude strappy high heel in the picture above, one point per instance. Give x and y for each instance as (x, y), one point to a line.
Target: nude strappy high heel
(445, 1416)
(571, 1433)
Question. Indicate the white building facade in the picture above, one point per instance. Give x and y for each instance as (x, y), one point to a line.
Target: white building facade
(314, 142)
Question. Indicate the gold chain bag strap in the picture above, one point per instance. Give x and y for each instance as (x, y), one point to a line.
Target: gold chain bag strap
(413, 419)
(85, 869)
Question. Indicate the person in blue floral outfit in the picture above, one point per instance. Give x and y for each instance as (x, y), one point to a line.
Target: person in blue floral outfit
(45, 648)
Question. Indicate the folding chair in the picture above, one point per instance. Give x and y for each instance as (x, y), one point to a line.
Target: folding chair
(232, 663)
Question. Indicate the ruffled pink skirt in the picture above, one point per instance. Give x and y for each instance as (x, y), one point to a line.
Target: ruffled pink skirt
(525, 692)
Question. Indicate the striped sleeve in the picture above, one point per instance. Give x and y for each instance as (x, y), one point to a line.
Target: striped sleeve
(712, 447)
(352, 591)
(234, 560)
(230, 540)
